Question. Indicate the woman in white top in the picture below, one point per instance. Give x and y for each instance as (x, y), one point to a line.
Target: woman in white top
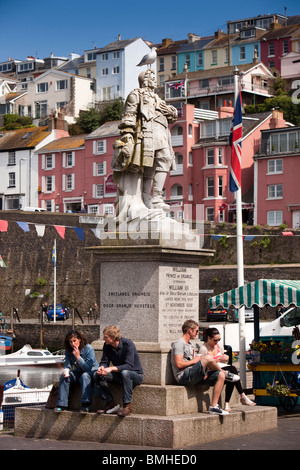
(212, 347)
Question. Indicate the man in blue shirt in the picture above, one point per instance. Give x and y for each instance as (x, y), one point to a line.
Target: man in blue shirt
(126, 370)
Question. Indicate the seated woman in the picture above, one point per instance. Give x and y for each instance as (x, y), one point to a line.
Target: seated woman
(212, 347)
(80, 365)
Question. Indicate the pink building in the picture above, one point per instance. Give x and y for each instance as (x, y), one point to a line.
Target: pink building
(276, 43)
(75, 172)
(203, 157)
(276, 178)
(61, 175)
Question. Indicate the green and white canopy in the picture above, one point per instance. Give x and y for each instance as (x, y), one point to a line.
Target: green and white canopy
(260, 292)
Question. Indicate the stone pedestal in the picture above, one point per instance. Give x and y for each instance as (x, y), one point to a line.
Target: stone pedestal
(148, 291)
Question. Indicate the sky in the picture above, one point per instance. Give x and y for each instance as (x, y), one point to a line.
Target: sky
(38, 28)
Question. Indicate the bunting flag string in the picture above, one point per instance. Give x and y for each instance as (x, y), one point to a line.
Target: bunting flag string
(61, 230)
(2, 264)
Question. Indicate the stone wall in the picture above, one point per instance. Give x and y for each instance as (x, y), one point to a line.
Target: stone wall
(29, 263)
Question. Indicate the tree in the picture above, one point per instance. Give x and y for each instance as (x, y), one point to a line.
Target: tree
(90, 120)
(291, 111)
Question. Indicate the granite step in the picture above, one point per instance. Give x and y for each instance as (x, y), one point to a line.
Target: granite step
(171, 432)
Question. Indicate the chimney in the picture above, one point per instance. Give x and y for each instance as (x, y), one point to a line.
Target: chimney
(219, 34)
(277, 115)
(274, 26)
(166, 42)
(119, 37)
(255, 58)
(193, 37)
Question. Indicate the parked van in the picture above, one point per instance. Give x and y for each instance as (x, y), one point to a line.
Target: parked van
(282, 326)
(34, 209)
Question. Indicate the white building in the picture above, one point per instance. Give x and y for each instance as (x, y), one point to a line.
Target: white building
(19, 164)
(116, 67)
(54, 91)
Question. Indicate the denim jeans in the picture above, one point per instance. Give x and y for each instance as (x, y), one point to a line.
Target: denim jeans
(195, 375)
(127, 378)
(85, 380)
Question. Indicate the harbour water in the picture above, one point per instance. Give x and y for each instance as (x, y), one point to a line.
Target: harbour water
(36, 377)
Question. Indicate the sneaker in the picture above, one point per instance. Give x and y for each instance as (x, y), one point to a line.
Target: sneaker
(231, 377)
(59, 409)
(216, 410)
(85, 409)
(109, 405)
(113, 410)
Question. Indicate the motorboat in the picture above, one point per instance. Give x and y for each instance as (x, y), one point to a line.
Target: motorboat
(5, 343)
(27, 356)
(16, 394)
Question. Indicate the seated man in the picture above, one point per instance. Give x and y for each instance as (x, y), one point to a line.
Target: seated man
(191, 369)
(126, 370)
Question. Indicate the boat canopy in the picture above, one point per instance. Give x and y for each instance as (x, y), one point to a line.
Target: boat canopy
(261, 292)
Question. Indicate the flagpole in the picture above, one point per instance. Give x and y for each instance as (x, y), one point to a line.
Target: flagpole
(240, 258)
(54, 303)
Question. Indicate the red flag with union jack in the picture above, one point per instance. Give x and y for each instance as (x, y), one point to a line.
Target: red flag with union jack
(177, 85)
(236, 147)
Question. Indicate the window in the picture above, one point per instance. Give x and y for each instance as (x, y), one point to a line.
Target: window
(204, 83)
(116, 69)
(104, 56)
(161, 67)
(242, 53)
(99, 147)
(271, 49)
(190, 130)
(69, 160)
(11, 180)
(49, 184)
(100, 169)
(62, 84)
(42, 87)
(214, 57)
(61, 104)
(174, 62)
(190, 159)
(285, 46)
(224, 81)
(176, 191)
(210, 156)
(220, 156)
(108, 209)
(188, 60)
(69, 182)
(275, 191)
(49, 162)
(40, 109)
(284, 142)
(210, 214)
(99, 190)
(200, 59)
(106, 93)
(220, 186)
(11, 158)
(275, 166)
(116, 55)
(104, 71)
(210, 186)
(91, 56)
(274, 218)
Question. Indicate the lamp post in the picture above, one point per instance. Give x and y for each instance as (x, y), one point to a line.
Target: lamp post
(20, 181)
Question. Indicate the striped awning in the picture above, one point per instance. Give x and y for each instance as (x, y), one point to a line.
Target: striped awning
(260, 292)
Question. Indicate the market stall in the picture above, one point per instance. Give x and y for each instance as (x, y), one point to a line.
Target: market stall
(274, 361)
